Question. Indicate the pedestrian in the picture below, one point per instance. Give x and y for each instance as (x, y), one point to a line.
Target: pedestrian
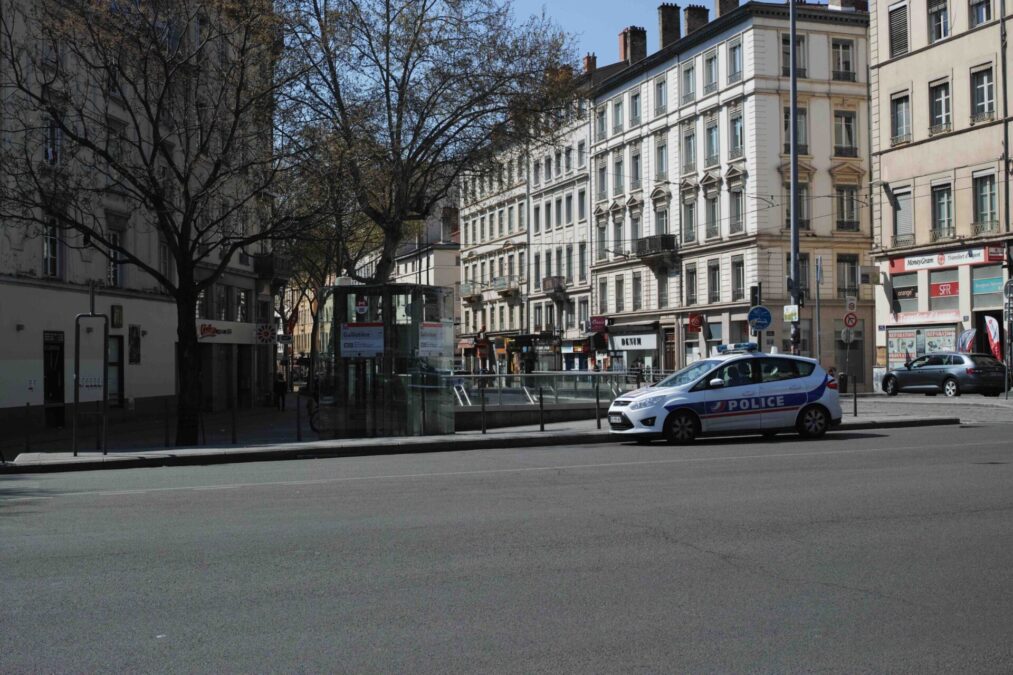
(279, 392)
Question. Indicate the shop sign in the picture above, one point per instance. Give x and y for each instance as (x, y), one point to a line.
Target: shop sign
(209, 330)
(905, 292)
(361, 340)
(598, 324)
(986, 286)
(908, 343)
(932, 316)
(695, 324)
(932, 261)
(944, 289)
(646, 341)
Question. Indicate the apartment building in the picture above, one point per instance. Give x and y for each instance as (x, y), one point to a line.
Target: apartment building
(690, 171)
(940, 126)
(47, 275)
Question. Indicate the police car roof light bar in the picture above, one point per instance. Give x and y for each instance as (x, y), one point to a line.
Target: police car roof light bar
(738, 347)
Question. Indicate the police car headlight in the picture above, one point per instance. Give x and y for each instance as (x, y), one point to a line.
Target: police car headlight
(648, 402)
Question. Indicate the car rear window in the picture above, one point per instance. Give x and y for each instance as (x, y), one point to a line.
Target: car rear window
(984, 361)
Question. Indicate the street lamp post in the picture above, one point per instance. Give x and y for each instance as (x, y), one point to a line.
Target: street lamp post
(793, 187)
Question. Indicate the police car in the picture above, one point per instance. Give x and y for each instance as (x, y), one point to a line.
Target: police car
(738, 390)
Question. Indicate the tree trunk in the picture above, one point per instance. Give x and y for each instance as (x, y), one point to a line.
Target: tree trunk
(188, 371)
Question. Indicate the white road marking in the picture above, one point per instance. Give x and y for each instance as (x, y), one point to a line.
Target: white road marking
(479, 472)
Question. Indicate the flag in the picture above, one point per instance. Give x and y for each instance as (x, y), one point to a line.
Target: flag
(992, 328)
(965, 343)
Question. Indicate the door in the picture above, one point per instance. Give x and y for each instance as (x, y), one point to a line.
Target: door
(114, 397)
(53, 378)
(782, 391)
(920, 375)
(734, 406)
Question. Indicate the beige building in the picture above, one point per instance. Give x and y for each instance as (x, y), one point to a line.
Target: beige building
(941, 197)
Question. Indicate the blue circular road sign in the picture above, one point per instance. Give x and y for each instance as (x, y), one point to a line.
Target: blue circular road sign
(759, 317)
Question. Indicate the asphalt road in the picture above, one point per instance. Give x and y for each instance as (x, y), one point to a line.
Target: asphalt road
(867, 552)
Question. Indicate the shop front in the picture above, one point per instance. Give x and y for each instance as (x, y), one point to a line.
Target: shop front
(576, 354)
(634, 347)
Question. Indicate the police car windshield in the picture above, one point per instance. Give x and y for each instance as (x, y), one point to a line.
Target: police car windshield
(689, 374)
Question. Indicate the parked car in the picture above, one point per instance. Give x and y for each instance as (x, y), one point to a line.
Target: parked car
(949, 373)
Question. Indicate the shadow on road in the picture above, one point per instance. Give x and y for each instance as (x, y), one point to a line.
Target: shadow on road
(779, 439)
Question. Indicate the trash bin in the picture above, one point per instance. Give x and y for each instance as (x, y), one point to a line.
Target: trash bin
(842, 383)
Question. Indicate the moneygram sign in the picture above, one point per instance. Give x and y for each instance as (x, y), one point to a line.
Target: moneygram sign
(932, 261)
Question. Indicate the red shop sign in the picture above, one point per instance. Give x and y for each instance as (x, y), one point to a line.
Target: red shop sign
(945, 289)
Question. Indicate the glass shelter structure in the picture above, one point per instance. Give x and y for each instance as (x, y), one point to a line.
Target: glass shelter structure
(384, 355)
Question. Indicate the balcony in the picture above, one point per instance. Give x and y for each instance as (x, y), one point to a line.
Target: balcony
(844, 225)
(713, 231)
(985, 227)
(903, 240)
(735, 225)
(942, 233)
(507, 286)
(712, 160)
(900, 139)
(844, 75)
(941, 128)
(984, 116)
(735, 152)
(658, 248)
(471, 291)
(803, 223)
(270, 267)
(710, 87)
(660, 109)
(845, 151)
(555, 285)
(689, 167)
(635, 184)
(617, 128)
(799, 72)
(803, 148)
(714, 297)
(689, 236)
(847, 291)
(688, 97)
(634, 120)
(734, 77)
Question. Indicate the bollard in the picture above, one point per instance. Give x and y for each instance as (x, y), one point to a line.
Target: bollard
(481, 395)
(165, 414)
(298, 420)
(541, 410)
(854, 397)
(597, 402)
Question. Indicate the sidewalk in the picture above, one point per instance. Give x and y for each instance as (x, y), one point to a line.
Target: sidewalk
(564, 433)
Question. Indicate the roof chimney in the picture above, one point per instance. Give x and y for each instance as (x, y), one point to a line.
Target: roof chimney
(590, 63)
(633, 44)
(669, 28)
(726, 6)
(696, 17)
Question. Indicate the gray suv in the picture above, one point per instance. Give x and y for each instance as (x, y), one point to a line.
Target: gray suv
(951, 373)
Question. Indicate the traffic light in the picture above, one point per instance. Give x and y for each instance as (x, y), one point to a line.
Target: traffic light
(755, 295)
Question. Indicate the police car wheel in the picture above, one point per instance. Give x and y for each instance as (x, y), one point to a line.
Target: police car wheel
(680, 428)
(813, 422)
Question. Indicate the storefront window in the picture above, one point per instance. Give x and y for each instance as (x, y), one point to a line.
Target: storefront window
(986, 282)
(905, 292)
(944, 290)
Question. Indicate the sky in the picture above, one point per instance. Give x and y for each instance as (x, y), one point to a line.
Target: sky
(596, 24)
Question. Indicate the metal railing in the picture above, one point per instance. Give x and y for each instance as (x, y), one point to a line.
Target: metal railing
(658, 244)
(903, 240)
(799, 72)
(898, 139)
(984, 116)
(712, 160)
(735, 152)
(941, 233)
(844, 75)
(845, 151)
(734, 77)
(803, 148)
(985, 226)
(710, 87)
(845, 225)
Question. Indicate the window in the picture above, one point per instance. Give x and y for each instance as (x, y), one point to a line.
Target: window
(54, 142)
(905, 292)
(620, 294)
(582, 261)
(735, 203)
(559, 212)
(734, 62)
(602, 178)
(713, 147)
(845, 138)
(482, 227)
(986, 286)
(690, 285)
(944, 289)
(803, 206)
(538, 271)
(660, 96)
(939, 101)
(548, 215)
(900, 119)
(617, 116)
(548, 168)
(559, 163)
(600, 116)
(942, 213)
(581, 204)
(538, 317)
(223, 302)
(601, 241)
(536, 218)
(581, 153)
(242, 308)
(803, 137)
(843, 56)
(114, 266)
(617, 175)
(738, 278)
(898, 31)
(714, 281)
(982, 95)
(710, 73)
(939, 20)
(603, 299)
(713, 217)
(737, 374)
(617, 239)
(847, 208)
(584, 311)
(634, 228)
(688, 151)
(800, 55)
(736, 135)
(903, 223)
(569, 263)
(662, 279)
(510, 219)
(165, 261)
(499, 218)
(661, 221)
(638, 300)
(661, 160)
(52, 253)
(635, 171)
(847, 275)
(981, 11)
(688, 84)
(571, 311)
(569, 209)
(634, 108)
(537, 173)
(689, 222)
(985, 213)
(568, 158)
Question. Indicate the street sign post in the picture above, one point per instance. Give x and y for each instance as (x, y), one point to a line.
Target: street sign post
(850, 304)
(790, 313)
(759, 319)
(847, 337)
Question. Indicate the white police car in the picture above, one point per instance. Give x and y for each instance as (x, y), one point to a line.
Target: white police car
(740, 390)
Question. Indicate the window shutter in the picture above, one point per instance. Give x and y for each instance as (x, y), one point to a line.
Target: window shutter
(935, 6)
(903, 222)
(898, 31)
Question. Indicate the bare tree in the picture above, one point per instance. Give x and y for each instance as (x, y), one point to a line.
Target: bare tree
(164, 109)
(418, 91)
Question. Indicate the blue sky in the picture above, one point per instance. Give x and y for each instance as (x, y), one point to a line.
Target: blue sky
(597, 23)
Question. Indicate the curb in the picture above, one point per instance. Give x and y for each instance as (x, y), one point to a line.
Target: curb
(527, 440)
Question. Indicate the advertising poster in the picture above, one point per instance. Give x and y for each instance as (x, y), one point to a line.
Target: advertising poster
(436, 339)
(361, 340)
(908, 343)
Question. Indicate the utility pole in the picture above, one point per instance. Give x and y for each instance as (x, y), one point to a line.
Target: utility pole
(793, 149)
(819, 280)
